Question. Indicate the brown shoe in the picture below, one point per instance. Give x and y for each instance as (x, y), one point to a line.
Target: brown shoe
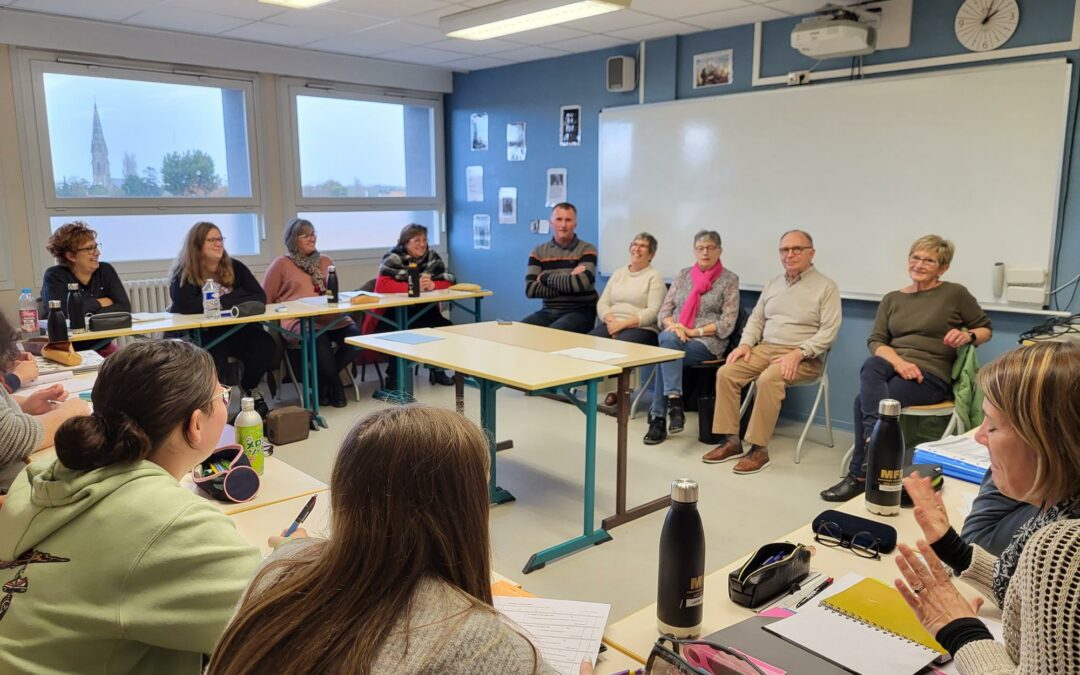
(756, 460)
(726, 451)
(611, 399)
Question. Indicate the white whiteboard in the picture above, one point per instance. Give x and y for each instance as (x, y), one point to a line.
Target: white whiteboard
(866, 167)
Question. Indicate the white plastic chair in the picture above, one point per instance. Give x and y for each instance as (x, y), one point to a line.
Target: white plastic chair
(943, 409)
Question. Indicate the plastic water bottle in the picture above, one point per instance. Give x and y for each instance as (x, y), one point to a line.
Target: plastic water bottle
(332, 285)
(57, 325)
(76, 318)
(681, 588)
(414, 280)
(249, 433)
(885, 461)
(28, 314)
(211, 300)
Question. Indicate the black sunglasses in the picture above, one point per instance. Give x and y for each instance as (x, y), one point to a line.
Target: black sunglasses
(862, 543)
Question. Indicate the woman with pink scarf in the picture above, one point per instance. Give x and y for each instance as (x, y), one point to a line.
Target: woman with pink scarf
(697, 318)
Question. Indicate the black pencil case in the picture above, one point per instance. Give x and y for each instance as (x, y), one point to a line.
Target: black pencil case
(756, 583)
(237, 483)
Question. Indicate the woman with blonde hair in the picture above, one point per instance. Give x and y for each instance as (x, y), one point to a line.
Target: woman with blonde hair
(1032, 430)
(403, 584)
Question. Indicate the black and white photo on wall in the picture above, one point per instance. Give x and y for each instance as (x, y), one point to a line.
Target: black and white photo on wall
(570, 125)
(478, 131)
(515, 142)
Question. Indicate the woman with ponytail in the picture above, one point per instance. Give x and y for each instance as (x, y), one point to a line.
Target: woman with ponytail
(108, 564)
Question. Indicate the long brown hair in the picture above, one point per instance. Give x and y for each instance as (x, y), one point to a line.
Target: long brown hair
(409, 501)
(189, 264)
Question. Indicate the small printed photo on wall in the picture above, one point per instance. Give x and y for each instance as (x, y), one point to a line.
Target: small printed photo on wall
(570, 125)
(478, 131)
(713, 69)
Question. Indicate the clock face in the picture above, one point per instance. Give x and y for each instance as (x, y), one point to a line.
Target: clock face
(982, 25)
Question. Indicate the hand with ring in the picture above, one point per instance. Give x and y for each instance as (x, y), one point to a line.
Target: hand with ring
(929, 591)
(930, 511)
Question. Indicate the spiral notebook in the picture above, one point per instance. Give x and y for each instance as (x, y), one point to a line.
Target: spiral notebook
(867, 628)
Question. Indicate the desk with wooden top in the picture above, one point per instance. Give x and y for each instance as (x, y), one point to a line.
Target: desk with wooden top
(548, 340)
(495, 365)
(636, 634)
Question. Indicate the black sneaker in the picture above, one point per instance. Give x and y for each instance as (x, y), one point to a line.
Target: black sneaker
(676, 415)
(657, 431)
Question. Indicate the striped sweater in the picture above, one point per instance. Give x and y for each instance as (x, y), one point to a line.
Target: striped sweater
(549, 278)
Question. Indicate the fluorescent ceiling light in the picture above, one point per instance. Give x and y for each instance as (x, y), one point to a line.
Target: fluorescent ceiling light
(296, 4)
(516, 16)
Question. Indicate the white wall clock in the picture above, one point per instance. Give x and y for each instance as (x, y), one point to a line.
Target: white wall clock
(982, 25)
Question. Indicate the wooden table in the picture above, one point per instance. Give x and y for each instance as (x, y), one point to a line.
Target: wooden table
(257, 525)
(635, 634)
(495, 365)
(279, 482)
(549, 340)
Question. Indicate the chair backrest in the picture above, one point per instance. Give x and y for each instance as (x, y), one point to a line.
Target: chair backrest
(736, 332)
(368, 287)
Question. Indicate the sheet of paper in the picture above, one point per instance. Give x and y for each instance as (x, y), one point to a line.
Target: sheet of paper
(71, 386)
(556, 187)
(481, 231)
(142, 317)
(508, 206)
(410, 338)
(586, 354)
(51, 378)
(91, 360)
(961, 448)
(474, 183)
(565, 631)
(516, 148)
(316, 300)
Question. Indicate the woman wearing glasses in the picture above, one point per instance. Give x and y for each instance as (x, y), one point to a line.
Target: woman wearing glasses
(1032, 430)
(302, 274)
(914, 343)
(696, 317)
(78, 260)
(108, 564)
(204, 257)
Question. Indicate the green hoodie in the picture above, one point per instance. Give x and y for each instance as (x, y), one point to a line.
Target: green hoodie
(116, 570)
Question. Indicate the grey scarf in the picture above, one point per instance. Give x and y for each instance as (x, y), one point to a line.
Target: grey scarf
(311, 265)
(1005, 566)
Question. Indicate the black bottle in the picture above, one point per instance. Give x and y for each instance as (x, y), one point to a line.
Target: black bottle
(414, 281)
(77, 319)
(681, 587)
(332, 285)
(57, 325)
(885, 461)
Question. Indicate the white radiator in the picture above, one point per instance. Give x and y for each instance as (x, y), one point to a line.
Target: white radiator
(147, 295)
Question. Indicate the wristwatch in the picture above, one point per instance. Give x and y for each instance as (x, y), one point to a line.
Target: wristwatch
(971, 336)
(805, 352)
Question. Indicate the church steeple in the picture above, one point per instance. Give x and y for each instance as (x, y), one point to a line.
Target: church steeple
(99, 154)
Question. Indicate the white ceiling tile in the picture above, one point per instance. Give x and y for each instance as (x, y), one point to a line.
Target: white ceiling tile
(588, 43)
(101, 10)
(474, 47)
(409, 33)
(735, 17)
(612, 21)
(433, 57)
(655, 30)
(243, 9)
(676, 9)
(478, 3)
(431, 19)
(357, 44)
(388, 9)
(185, 20)
(544, 36)
(797, 7)
(317, 17)
(261, 31)
(478, 63)
(530, 54)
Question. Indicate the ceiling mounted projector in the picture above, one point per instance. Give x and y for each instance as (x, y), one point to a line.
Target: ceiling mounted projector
(823, 37)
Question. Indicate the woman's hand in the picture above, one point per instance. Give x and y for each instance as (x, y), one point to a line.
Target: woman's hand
(930, 511)
(38, 402)
(681, 332)
(929, 591)
(909, 371)
(278, 540)
(957, 338)
(25, 368)
(426, 284)
(105, 302)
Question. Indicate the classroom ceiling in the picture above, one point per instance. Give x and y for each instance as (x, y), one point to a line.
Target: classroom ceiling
(407, 30)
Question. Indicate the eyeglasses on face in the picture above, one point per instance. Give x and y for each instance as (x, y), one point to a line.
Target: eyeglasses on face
(919, 260)
(862, 544)
(225, 393)
(793, 250)
(309, 235)
(93, 248)
(696, 657)
(706, 248)
(215, 240)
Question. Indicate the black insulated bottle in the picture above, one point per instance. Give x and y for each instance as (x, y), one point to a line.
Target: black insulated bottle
(681, 587)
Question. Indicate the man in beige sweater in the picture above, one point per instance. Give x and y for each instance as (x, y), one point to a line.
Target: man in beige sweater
(794, 324)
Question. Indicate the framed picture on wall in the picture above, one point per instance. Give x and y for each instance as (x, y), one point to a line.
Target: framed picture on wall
(713, 69)
(570, 125)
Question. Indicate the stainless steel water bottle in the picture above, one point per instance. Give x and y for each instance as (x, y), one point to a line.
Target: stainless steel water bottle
(885, 461)
(76, 319)
(332, 285)
(57, 325)
(681, 585)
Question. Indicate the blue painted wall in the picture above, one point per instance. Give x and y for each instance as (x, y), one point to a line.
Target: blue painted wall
(533, 92)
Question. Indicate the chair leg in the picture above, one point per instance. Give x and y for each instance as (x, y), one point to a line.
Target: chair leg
(846, 460)
(641, 391)
(809, 422)
(748, 400)
(828, 415)
(292, 376)
(351, 369)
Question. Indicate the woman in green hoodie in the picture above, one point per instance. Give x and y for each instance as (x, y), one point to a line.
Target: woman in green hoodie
(107, 564)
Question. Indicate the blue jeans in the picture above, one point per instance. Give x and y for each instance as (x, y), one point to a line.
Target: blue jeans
(573, 320)
(669, 373)
(878, 380)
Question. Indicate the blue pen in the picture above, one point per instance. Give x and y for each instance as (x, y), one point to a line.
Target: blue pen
(304, 513)
(773, 558)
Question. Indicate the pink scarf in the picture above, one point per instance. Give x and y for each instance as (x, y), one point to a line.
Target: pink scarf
(701, 283)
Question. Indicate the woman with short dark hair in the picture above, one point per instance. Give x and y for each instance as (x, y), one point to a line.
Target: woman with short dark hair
(78, 260)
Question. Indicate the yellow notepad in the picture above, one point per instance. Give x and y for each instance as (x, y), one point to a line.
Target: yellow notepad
(876, 604)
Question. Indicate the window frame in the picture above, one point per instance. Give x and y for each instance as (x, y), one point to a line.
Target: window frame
(42, 202)
(295, 202)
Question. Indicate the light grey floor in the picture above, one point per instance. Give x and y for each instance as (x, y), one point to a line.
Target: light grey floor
(544, 472)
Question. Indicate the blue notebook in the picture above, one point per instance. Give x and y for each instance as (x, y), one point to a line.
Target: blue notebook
(410, 338)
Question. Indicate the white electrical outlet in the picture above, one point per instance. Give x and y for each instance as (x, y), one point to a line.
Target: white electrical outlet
(1028, 295)
(797, 77)
(1015, 276)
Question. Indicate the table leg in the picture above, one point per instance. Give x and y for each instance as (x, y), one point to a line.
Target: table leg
(309, 332)
(459, 406)
(590, 536)
(496, 494)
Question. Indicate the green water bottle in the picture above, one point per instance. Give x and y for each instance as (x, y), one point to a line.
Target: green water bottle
(249, 433)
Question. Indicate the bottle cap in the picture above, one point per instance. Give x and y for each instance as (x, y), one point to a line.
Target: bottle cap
(25, 290)
(73, 286)
(54, 304)
(247, 403)
(331, 268)
(684, 491)
(890, 407)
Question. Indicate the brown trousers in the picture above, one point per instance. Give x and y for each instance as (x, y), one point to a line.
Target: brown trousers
(771, 389)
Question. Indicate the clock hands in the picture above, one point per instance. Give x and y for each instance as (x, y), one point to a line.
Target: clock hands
(990, 14)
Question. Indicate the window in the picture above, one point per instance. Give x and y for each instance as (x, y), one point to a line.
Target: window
(140, 153)
(365, 164)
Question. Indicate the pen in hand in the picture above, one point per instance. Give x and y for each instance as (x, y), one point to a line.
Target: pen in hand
(304, 513)
(817, 589)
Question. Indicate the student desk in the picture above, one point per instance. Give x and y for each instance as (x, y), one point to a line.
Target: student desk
(280, 482)
(167, 323)
(258, 524)
(549, 340)
(635, 634)
(495, 365)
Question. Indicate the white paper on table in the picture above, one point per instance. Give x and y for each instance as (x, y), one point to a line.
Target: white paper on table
(556, 187)
(474, 183)
(961, 448)
(316, 300)
(49, 378)
(564, 631)
(71, 385)
(586, 354)
(142, 317)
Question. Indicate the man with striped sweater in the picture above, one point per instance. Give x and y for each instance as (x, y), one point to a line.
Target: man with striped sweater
(562, 272)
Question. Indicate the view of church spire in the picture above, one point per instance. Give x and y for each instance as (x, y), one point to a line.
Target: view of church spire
(99, 154)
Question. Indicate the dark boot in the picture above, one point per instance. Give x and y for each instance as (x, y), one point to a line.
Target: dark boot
(676, 415)
(657, 431)
(440, 376)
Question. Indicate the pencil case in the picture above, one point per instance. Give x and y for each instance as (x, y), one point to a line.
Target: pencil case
(227, 476)
(108, 321)
(773, 570)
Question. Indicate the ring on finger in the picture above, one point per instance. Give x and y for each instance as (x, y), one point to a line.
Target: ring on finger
(918, 590)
